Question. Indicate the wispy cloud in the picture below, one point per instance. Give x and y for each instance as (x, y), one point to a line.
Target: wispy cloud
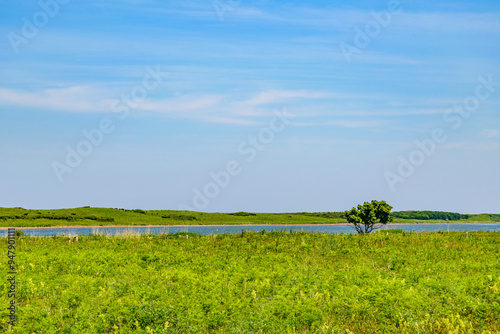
(242, 108)
(280, 96)
(212, 108)
(343, 123)
(344, 19)
(70, 99)
(182, 104)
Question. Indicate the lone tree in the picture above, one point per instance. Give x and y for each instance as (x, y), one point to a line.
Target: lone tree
(366, 216)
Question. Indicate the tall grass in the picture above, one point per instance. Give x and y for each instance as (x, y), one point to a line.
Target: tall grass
(265, 282)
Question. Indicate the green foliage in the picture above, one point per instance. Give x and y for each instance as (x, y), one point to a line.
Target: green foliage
(87, 216)
(365, 217)
(273, 282)
(242, 214)
(179, 217)
(428, 215)
(47, 215)
(495, 218)
(483, 218)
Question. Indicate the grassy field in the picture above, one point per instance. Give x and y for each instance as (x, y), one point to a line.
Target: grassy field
(86, 216)
(277, 282)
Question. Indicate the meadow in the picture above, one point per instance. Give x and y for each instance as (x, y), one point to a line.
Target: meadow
(87, 216)
(275, 282)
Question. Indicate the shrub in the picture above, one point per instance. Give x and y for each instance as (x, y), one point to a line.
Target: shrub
(242, 214)
(179, 217)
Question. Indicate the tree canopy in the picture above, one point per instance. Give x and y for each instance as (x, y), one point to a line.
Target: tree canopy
(427, 215)
(366, 217)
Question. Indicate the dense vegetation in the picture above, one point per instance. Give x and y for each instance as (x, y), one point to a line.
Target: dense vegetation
(87, 216)
(274, 282)
(428, 215)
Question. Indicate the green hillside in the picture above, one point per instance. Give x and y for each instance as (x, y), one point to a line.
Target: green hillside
(87, 216)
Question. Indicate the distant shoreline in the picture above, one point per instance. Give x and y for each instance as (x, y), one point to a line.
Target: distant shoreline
(215, 225)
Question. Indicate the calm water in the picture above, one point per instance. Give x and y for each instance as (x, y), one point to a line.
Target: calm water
(205, 230)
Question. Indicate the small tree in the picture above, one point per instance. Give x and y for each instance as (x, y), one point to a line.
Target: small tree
(366, 216)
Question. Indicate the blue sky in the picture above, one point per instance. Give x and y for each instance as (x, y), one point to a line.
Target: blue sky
(226, 69)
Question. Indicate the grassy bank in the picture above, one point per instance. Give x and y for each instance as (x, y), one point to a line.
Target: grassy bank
(86, 216)
(275, 282)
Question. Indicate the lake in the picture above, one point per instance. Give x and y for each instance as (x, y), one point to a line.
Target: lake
(206, 230)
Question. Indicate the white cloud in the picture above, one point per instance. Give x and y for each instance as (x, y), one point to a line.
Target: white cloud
(283, 96)
(181, 104)
(71, 99)
(240, 109)
(342, 19)
(220, 108)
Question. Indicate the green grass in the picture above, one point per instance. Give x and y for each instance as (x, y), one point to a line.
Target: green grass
(17, 217)
(275, 282)
(87, 216)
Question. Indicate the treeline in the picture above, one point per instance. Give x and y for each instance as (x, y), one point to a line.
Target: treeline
(429, 215)
(58, 217)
